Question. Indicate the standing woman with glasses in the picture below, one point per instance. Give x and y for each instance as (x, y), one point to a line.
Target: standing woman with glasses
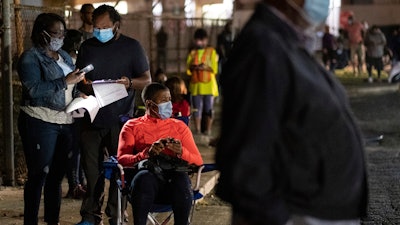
(48, 79)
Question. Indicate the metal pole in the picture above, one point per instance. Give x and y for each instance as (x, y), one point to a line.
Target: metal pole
(151, 34)
(8, 131)
(178, 43)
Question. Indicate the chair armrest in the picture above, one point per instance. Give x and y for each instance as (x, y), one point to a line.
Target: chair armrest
(203, 169)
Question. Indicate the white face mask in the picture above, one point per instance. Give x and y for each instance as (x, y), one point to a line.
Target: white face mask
(55, 43)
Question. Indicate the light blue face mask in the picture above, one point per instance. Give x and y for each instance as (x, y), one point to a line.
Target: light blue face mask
(103, 35)
(316, 10)
(165, 110)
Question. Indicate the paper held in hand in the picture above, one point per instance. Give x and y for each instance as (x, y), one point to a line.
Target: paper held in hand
(105, 92)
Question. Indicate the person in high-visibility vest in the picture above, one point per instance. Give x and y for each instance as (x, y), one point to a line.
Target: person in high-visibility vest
(202, 67)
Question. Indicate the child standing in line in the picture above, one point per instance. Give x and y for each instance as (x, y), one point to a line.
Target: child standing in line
(180, 102)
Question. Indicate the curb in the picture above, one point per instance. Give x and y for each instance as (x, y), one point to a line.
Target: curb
(374, 89)
(209, 185)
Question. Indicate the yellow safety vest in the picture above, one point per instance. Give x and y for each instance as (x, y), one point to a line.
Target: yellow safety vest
(201, 75)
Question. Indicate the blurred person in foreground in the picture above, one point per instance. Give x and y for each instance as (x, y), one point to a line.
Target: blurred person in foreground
(157, 134)
(116, 57)
(292, 153)
(48, 78)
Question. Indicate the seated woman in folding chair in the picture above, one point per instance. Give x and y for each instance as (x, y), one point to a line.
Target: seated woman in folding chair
(153, 134)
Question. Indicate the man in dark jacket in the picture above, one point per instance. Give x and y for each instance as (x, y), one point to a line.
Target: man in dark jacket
(292, 152)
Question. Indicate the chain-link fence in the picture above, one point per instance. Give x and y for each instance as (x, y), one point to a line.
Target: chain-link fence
(142, 27)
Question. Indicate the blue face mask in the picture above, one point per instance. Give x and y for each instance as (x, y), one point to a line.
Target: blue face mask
(165, 110)
(316, 10)
(103, 35)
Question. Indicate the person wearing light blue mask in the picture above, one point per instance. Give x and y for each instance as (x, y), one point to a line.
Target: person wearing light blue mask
(105, 26)
(290, 150)
(165, 110)
(316, 10)
(103, 35)
(152, 135)
(116, 57)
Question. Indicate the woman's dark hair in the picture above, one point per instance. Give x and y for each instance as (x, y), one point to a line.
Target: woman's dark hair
(158, 71)
(150, 91)
(174, 84)
(43, 22)
(114, 15)
(200, 34)
(72, 40)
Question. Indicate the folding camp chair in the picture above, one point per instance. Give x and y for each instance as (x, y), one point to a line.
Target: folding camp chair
(115, 172)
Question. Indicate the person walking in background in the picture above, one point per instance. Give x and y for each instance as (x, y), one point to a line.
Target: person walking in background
(375, 42)
(87, 23)
(75, 176)
(291, 153)
(117, 57)
(162, 39)
(179, 98)
(202, 67)
(48, 78)
(329, 47)
(355, 30)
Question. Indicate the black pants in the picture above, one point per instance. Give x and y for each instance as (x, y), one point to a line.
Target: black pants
(94, 141)
(147, 189)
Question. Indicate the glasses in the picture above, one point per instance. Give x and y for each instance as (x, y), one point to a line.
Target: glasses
(57, 34)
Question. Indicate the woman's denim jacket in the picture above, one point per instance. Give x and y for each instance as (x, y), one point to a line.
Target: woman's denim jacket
(43, 80)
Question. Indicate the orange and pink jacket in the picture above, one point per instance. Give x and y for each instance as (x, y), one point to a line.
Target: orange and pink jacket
(137, 136)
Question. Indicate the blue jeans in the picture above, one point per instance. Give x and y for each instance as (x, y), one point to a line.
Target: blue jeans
(46, 147)
(147, 189)
(202, 104)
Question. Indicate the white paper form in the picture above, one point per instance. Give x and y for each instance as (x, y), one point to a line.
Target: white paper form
(108, 92)
(90, 104)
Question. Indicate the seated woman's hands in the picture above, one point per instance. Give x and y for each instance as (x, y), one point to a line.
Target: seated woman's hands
(166, 143)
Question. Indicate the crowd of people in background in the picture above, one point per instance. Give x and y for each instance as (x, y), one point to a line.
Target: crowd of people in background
(361, 47)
